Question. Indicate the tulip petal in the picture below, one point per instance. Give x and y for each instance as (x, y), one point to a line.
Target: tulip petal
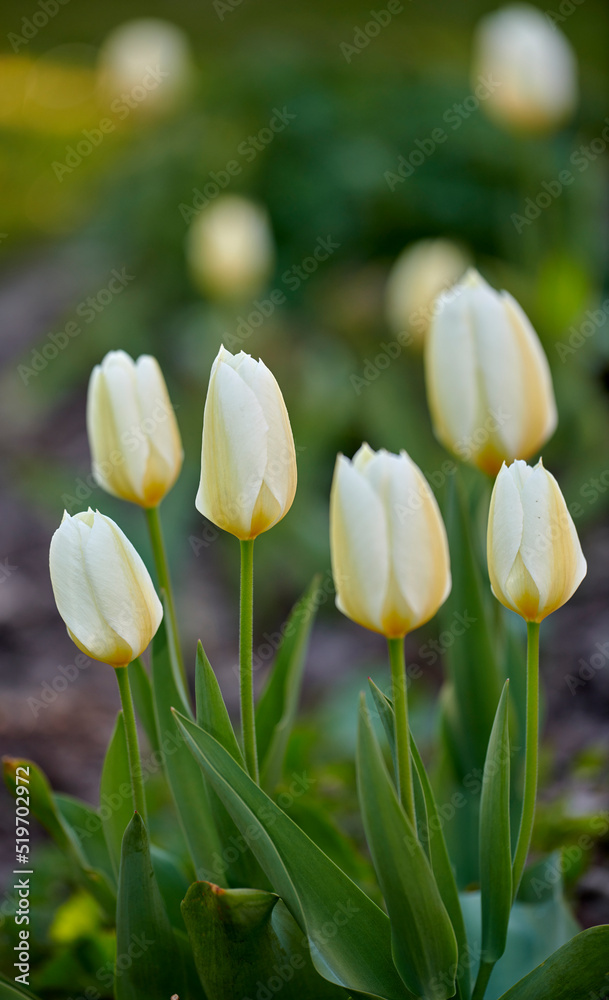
(75, 597)
(536, 381)
(451, 371)
(158, 424)
(505, 528)
(360, 552)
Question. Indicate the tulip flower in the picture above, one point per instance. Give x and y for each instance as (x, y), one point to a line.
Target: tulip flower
(133, 434)
(390, 564)
(489, 386)
(389, 549)
(248, 459)
(230, 248)
(419, 274)
(102, 589)
(535, 559)
(532, 64)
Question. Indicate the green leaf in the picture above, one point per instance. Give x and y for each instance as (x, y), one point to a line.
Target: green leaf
(495, 849)
(384, 707)
(86, 825)
(48, 808)
(423, 940)
(148, 960)
(577, 971)
(14, 991)
(212, 714)
(185, 780)
(116, 798)
(435, 844)
(349, 936)
(278, 702)
(238, 952)
(141, 690)
(172, 882)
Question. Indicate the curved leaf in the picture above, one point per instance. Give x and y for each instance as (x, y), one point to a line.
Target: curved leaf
(577, 971)
(116, 798)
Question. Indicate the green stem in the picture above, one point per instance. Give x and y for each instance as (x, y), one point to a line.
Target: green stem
(484, 974)
(153, 517)
(133, 749)
(530, 759)
(246, 674)
(402, 734)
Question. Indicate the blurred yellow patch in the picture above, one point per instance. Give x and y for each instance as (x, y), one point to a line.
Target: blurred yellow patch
(78, 917)
(47, 96)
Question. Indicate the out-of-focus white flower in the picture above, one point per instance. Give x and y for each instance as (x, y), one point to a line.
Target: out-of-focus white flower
(102, 589)
(535, 560)
(420, 273)
(390, 558)
(532, 65)
(230, 248)
(145, 65)
(248, 459)
(489, 386)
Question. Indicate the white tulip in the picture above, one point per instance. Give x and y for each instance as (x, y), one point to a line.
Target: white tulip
(133, 434)
(535, 558)
(420, 273)
(248, 459)
(102, 589)
(390, 556)
(230, 248)
(145, 66)
(532, 64)
(489, 386)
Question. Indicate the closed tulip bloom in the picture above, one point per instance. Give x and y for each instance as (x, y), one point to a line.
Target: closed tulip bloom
(230, 248)
(390, 556)
(133, 433)
(535, 559)
(489, 386)
(248, 459)
(532, 65)
(419, 274)
(102, 589)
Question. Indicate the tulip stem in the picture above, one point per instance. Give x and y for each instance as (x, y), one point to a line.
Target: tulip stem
(246, 674)
(133, 748)
(402, 734)
(530, 759)
(484, 974)
(153, 516)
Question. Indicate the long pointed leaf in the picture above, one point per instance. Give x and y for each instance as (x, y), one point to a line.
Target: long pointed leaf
(349, 936)
(495, 850)
(423, 940)
(577, 971)
(115, 800)
(278, 702)
(141, 689)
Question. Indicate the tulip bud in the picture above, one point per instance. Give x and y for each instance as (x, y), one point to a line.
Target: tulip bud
(420, 273)
(145, 67)
(535, 559)
(248, 459)
(389, 549)
(133, 434)
(489, 386)
(531, 67)
(230, 248)
(102, 589)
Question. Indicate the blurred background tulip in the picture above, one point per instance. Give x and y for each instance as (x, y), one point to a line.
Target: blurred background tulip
(102, 589)
(230, 248)
(535, 558)
(133, 433)
(389, 550)
(488, 380)
(524, 50)
(419, 274)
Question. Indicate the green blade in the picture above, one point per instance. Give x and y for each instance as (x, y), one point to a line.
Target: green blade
(577, 971)
(148, 962)
(423, 940)
(116, 798)
(348, 935)
(278, 702)
(495, 849)
(141, 690)
(212, 714)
